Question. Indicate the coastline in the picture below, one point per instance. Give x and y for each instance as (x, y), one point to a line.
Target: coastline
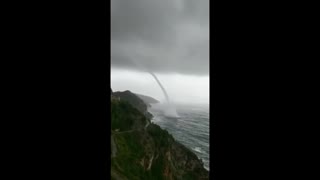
(196, 149)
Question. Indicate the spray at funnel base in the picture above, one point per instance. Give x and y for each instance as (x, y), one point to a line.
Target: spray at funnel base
(169, 109)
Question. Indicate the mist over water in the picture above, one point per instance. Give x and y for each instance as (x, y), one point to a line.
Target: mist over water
(168, 110)
(191, 128)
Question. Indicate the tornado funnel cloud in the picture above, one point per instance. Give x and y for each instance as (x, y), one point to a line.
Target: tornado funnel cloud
(162, 88)
(169, 110)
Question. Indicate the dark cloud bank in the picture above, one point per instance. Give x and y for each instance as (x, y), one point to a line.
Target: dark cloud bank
(167, 36)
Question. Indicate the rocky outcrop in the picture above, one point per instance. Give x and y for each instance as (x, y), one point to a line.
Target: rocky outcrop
(147, 99)
(135, 101)
(144, 150)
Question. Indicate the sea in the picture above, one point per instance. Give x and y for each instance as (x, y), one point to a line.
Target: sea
(190, 128)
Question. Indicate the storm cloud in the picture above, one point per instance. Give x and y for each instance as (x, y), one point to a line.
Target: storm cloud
(166, 36)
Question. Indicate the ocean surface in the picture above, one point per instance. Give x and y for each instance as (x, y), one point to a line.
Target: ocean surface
(191, 128)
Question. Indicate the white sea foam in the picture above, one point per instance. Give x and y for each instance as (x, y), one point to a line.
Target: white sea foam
(190, 129)
(198, 149)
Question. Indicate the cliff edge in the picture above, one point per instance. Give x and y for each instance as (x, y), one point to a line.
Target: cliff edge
(142, 150)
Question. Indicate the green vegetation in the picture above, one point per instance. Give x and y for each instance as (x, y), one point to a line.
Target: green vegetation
(129, 152)
(124, 116)
(138, 149)
(132, 99)
(162, 137)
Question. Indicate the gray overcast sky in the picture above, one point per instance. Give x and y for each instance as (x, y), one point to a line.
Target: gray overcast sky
(164, 35)
(169, 37)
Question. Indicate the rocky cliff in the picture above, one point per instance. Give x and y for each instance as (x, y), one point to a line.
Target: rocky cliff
(133, 100)
(147, 99)
(142, 150)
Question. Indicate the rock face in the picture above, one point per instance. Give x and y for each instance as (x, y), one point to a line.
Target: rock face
(135, 101)
(144, 150)
(147, 99)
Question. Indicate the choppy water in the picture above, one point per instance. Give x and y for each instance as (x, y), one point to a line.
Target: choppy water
(191, 128)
